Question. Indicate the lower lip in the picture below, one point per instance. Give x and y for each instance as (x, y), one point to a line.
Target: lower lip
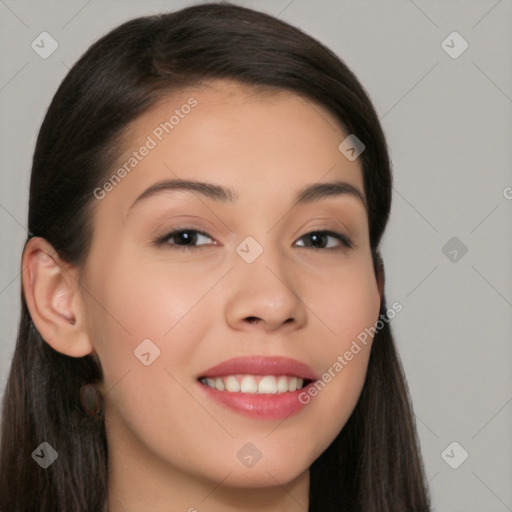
(269, 406)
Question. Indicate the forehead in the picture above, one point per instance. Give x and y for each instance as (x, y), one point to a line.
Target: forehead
(256, 141)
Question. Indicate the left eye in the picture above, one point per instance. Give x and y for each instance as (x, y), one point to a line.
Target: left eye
(323, 240)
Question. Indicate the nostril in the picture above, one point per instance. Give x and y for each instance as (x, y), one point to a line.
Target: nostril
(252, 319)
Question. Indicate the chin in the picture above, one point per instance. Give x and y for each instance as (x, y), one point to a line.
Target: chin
(262, 478)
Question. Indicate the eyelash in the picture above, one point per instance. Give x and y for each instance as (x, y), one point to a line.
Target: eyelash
(346, 243)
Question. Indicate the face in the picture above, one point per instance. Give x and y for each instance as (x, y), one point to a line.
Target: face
(235, 261)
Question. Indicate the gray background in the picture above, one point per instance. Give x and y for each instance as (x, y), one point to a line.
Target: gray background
(449, 127)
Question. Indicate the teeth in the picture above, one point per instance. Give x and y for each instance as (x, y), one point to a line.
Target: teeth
(249, 385)
(232, 384)
(282, 385)
(255, 384)
(219, 384)
(267, 385)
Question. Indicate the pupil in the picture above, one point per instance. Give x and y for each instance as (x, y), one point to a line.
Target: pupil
(317, 240)
(186, 238)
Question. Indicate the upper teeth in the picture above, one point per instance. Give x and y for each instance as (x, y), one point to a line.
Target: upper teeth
(255, 383)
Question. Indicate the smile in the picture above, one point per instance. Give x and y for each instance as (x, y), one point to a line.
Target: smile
(255, 384)
(261, 387)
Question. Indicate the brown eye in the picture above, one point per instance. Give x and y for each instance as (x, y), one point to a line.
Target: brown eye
(187, 238)
(324, 240)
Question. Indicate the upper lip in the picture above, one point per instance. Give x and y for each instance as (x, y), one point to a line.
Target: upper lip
(261, 365)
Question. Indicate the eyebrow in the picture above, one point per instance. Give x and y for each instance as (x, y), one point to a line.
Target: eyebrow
(308, 194)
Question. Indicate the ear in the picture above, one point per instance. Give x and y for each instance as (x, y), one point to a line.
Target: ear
(52, 294)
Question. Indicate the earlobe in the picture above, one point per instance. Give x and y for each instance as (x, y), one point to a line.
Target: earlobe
(52, 294)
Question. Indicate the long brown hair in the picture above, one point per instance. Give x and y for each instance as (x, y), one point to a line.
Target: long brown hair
(374, 464)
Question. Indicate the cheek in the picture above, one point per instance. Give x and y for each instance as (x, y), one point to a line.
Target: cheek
(134, 302)
(141, 308)
(140, 313)
(347, 306)
(346, 303)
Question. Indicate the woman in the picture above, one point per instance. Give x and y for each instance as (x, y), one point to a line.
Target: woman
(203, 323)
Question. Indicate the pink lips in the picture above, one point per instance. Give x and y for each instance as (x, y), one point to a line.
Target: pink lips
(275, 406)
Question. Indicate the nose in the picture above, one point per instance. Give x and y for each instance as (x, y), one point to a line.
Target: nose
(263, 298)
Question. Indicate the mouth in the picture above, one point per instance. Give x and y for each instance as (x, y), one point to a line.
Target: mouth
(258, 374)
(256, 384)
(266, 388)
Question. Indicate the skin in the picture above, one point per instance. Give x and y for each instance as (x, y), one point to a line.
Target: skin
(170, 448)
